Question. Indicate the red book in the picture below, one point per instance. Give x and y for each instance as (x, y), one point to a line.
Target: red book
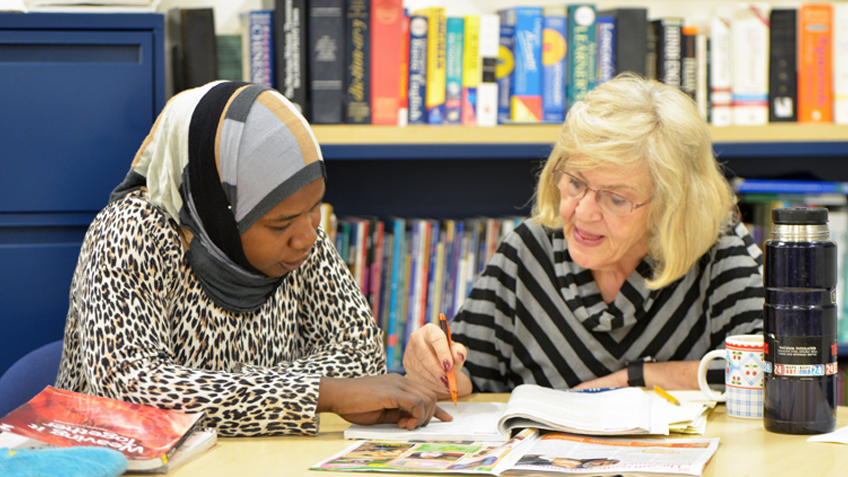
(148, 436)
(403, 99)
(815, 71)
(386, 17)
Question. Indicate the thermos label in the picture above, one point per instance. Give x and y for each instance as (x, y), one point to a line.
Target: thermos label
(800, 356)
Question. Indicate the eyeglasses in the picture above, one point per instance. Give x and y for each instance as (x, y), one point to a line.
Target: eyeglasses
(609, 202)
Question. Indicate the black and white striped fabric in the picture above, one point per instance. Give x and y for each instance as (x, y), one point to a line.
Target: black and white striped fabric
(534, 316)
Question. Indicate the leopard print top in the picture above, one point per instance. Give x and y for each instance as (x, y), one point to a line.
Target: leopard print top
(141, 329)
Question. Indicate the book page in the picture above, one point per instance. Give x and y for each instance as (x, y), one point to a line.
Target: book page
(567, 454)
(472, 421)
(618, 411)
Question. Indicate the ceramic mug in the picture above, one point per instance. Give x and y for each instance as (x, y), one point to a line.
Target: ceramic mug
(743, 375)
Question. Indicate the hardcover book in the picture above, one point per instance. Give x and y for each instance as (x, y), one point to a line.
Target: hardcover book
(689, 62)
(505, 69)
(470, 70)
(487, 88)
(436, 74)
(357, 95)
(815, 81)
(526, 101)
(258, 44)
(721, 98)
(554, 64)
(669, 35)
(326, 60)
(606, 48)
(840, 64)
(783, 72)
(403, 94)
(631, 39)
(417, 69)
(290, 52)
(583, 51)
(194, 54)
(229, 57)
(454, 47)
(750, 32)
(149, 437)
(386, 17)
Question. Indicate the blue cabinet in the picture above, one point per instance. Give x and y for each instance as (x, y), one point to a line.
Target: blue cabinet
(79, 94)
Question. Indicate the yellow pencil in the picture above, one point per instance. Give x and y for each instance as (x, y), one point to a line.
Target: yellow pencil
(668, 397)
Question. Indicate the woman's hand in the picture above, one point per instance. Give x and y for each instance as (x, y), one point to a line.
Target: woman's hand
(386, 398)
(427, 359)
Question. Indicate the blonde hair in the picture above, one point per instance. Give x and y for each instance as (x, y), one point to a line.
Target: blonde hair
(630, 122)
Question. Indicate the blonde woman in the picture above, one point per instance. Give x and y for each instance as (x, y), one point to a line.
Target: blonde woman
(632, 267)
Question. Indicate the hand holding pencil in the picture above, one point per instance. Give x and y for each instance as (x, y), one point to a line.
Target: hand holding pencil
(433, 359)
(451, 373)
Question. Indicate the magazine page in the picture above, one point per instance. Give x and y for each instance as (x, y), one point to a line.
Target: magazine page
(614, 412)
(574, 455)
(65, 418)
(472, 421)
(464, 457)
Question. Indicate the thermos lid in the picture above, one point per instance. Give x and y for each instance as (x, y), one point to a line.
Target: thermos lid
(799, 216)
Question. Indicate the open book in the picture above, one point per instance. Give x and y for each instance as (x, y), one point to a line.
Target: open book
(530, 452)
(624, 411)
(153, 440)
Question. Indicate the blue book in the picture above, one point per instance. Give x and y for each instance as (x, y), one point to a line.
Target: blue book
(774, 186)
(606, 49)
(454, 41)
(417, 69)
(260, 36)
(526, 101)
(431, 285)
(505, 69)
(398, 269)
(554, 64)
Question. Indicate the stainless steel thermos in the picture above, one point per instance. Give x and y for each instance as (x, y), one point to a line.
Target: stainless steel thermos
(800, 317)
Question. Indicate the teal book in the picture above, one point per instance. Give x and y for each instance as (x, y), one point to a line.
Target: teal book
(583, 51)
(454, 41)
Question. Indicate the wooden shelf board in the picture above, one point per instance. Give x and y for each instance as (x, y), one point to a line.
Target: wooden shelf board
(546, 134)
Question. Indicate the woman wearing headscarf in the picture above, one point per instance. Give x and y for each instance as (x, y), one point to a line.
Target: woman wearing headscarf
(207, 285)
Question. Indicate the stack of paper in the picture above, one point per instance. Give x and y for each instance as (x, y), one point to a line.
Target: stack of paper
(691, 416)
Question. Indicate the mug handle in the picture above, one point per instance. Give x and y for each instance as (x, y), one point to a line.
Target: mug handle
(702, 375)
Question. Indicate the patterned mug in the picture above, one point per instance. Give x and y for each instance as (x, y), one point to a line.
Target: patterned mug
(743, 375)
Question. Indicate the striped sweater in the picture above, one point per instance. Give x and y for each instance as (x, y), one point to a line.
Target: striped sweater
(535, 316)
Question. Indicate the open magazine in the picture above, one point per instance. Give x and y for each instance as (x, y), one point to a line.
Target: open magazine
(148, 436)
(623, 411)
(531, 452)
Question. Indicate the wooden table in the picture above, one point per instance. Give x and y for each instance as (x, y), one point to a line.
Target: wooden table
(746, 449)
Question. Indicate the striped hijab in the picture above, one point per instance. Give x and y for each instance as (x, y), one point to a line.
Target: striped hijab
(218, 158)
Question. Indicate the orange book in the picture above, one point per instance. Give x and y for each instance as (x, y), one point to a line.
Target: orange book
(386, 17)
(815, 68)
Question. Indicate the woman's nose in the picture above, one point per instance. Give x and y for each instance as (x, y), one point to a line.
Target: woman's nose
(305, 234)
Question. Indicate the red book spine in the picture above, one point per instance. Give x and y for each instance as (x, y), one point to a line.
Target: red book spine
(403, 102)
(386, 17)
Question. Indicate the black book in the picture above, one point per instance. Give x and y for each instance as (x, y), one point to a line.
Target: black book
(357, 95)
(669, 38)
(689, 64)
(194, 51)
(631, 39)
(290, 43)
(326, 60)
(783, 73)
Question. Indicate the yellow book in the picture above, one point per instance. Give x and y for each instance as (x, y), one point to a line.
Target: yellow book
(470, 70)
(436, 71)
